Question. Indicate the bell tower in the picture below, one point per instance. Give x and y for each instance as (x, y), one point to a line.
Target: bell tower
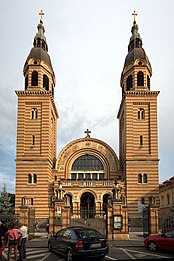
(36, 127)
(138, 132)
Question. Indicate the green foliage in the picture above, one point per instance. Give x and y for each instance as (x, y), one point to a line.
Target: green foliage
(6, 202)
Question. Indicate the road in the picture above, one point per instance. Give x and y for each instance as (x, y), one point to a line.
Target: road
(115, 253)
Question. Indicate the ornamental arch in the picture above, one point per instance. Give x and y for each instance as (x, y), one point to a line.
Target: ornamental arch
(94, 148)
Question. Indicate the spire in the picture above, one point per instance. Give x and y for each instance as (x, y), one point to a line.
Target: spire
(135, 40)
(40, 39)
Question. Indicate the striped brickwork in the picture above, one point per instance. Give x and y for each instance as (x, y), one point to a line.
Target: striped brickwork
(35, 158)
(136, 158)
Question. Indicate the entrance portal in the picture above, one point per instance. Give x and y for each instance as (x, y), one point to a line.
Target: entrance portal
(87, 205)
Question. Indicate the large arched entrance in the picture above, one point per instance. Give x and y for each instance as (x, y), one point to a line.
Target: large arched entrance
(87, 205)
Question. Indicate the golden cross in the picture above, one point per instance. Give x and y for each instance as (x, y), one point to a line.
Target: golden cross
(87, 132)
(41, 13)
(134, 14)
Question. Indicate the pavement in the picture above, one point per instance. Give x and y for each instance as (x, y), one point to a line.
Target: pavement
(136, 239)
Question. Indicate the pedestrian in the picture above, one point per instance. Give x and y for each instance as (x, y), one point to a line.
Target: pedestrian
(47, 229)
(37, 225)
(3, 235)
(22, 242)
(13, 236)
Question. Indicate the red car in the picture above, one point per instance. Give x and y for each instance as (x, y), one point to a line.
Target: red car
(163, 241)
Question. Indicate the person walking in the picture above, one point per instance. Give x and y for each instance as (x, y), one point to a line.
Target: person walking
(13, 236)
(22, 242)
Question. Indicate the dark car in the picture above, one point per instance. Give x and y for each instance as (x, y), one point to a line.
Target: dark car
(163, 241)
(79, 242)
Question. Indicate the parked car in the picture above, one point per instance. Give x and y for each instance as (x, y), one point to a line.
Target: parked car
(79, 242)
(163, 241)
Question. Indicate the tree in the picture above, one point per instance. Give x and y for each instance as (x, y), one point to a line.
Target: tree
(6, 206)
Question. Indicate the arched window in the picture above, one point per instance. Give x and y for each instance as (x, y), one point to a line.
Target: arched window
(26, 82)
(140, 78)
(139, 178)
(148, 82)
(129, 82)
(34, 178)
(34, 114)
(46, 82)
(29, 178)
(34, 79)
(144, 178)
(141, 114)
(87, 162)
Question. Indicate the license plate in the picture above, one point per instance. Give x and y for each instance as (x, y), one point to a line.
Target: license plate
(96, 245)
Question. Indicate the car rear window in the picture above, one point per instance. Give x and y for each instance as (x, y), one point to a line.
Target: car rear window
(88, 233)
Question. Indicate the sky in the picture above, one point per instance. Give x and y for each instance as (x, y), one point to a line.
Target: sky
(87, 42)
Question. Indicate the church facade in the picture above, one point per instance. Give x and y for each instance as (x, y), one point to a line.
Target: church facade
(87, 171)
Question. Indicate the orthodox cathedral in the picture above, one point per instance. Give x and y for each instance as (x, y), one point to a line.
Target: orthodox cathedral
(87, 172)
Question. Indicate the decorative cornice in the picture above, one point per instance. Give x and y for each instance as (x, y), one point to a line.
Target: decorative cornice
(142, 93)
(28, 93)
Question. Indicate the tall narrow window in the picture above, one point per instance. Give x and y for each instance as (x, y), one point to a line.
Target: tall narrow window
(31, 201)
(46, 82)
(139, 178)
(33, 140)
(140, 78)
(141, 114)
(129, 82)
(141, 140)
(34, 178)
(29, 178)
(34, 79)
(34, 114)
(144, 178)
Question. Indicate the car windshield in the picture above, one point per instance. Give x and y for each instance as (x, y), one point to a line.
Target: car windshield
(88, 233)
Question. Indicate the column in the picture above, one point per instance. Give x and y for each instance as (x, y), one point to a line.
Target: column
(153, 220)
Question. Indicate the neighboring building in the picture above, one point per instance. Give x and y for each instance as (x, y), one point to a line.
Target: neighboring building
(87, 169)
(166, 192)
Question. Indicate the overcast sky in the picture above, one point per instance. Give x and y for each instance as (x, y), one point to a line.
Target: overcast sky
(87, 41)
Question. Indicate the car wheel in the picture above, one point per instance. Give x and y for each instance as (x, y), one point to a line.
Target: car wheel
(50, 247)
(69, 255)
(152, 246)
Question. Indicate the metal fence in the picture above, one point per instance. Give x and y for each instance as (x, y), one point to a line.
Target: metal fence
(166, 223)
